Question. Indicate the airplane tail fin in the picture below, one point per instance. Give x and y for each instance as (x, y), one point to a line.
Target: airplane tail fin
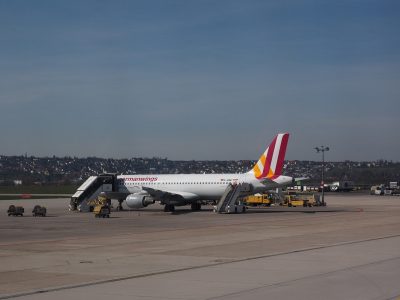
(271, 162)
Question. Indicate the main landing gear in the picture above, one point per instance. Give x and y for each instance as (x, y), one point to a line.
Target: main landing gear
(196, 206)
(169, 207)
(119, 207)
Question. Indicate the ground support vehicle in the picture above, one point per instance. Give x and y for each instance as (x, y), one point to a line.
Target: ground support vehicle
(39, 211)
(91, 189)
(102, 211)
(15, 211)
(391, 192)
(293, 201)
(231, 202)
(258, 200)
(388, 192)
(238, 206)
(302, 200)
(342, 186)
(90, 205)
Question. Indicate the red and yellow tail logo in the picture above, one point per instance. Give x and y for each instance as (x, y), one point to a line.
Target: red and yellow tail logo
(271, 162)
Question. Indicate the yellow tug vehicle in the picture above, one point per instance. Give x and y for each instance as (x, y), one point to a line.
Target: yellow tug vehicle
(101, 211)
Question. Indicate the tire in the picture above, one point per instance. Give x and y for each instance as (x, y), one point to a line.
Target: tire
(91, 209)
(108, 216)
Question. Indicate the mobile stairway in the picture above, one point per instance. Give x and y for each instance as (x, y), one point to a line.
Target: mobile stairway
(91, 189)
(229, 202)
(277, 196)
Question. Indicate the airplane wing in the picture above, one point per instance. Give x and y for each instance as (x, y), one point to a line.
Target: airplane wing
(156, 193)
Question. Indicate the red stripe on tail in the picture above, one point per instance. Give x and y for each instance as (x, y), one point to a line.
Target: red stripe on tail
(281, 156)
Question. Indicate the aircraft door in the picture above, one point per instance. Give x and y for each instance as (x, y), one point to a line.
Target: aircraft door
(246, 186)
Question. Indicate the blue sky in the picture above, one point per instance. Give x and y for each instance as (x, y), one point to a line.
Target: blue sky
(212, 80)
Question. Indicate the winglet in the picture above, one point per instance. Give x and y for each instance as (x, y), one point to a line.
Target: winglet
(271, 162)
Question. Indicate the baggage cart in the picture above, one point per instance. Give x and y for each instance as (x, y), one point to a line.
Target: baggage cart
(15, 211)
(39, 211)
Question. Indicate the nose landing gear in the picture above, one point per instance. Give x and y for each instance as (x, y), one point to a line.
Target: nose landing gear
(196, 206)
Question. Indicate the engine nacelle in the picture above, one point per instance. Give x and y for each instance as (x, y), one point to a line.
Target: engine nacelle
(138, 201)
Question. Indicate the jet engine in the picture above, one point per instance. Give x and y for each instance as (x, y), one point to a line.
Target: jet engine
(139, 201)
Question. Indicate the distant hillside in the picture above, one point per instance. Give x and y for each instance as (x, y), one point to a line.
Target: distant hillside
(362, 175)
(73, 171)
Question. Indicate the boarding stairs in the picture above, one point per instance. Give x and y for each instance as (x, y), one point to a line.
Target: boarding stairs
(89, 191)
(276, 196)
(230, 197)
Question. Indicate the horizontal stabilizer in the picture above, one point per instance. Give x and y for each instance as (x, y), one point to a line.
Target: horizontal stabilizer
(300, 179)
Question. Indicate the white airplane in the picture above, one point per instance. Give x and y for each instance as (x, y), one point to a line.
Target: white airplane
(183, 189)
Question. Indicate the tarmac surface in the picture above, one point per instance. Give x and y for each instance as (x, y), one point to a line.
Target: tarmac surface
(349, 249)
